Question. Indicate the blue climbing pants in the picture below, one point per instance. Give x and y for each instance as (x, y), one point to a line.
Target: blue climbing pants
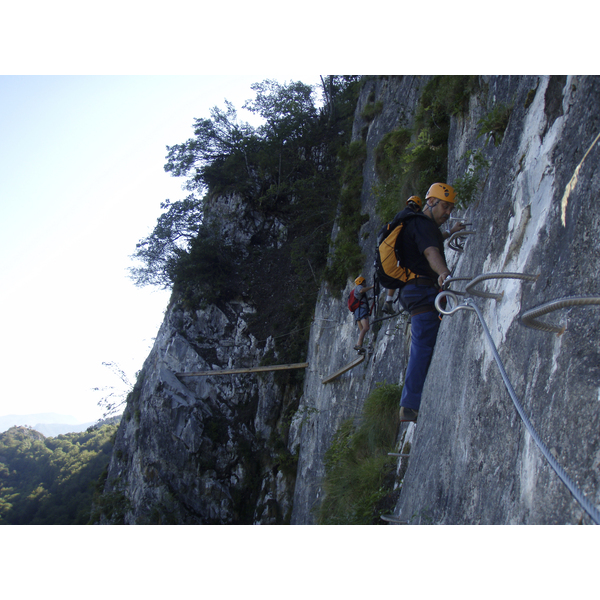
(424, 333)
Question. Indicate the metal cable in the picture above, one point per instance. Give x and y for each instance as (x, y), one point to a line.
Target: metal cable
(469, 304)
(528, 318)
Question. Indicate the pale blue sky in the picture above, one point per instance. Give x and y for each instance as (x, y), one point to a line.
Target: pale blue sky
(81, 181)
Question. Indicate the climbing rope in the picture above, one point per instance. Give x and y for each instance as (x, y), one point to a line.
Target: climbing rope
(469, 304)
(529, 317)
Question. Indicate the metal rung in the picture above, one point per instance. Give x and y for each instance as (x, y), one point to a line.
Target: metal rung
(397, 454)
(393, 519)
(457, 241)
(529, 317)
(469, 289)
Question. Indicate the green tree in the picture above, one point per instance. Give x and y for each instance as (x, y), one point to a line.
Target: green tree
(288, 110)
(287, 174)
(157, 253)
(228, 156)
(206, 270)
(216, 139)
(47, 481)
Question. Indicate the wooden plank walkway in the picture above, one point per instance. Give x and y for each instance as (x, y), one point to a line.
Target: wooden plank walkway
(349, 366)
(245, 370)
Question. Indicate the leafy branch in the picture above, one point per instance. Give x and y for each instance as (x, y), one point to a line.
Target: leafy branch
(113, 399)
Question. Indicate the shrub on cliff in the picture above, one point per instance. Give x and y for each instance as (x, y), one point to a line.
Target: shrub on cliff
(408, 161)
(206, 271)
(359, 473)
(286, 177)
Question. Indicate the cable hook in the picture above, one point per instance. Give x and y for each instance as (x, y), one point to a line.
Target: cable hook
(454, 297)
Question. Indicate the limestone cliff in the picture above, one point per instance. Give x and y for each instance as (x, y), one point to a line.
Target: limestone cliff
(250, 448)
(471, 459)
(206, 450)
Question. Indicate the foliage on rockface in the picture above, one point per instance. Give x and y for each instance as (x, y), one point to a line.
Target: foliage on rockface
(286, 173)
(359, 473)
(51, 481)
(409, 160)
(347, 258)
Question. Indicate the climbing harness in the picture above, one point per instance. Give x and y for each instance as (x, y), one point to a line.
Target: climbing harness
(370, 303)
(469, 304)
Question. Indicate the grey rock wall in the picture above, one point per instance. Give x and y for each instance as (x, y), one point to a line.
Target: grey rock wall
(333, 335)
(205, 450)
(472, 460)
(210, 450)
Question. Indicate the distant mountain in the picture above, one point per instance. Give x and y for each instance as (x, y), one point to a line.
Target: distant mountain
(49, 424)
(54, 429)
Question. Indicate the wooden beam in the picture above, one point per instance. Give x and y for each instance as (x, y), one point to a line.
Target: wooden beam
(245, 370)
(349, 366)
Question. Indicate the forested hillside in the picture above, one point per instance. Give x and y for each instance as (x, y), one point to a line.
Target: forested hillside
(51, 481)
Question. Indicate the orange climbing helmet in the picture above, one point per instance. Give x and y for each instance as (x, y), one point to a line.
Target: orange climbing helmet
(359, 280)
(442, 191)
(416, 200)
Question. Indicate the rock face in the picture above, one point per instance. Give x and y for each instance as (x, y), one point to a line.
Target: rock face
(210, 449)
(205, 450)
(194, 450)
(472, 460)
(333, 336)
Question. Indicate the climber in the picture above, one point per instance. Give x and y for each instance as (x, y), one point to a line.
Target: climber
(361, 314)
(413, 205)
(423, 251)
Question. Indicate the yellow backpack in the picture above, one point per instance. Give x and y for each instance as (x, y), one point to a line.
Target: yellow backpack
(389, 267)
